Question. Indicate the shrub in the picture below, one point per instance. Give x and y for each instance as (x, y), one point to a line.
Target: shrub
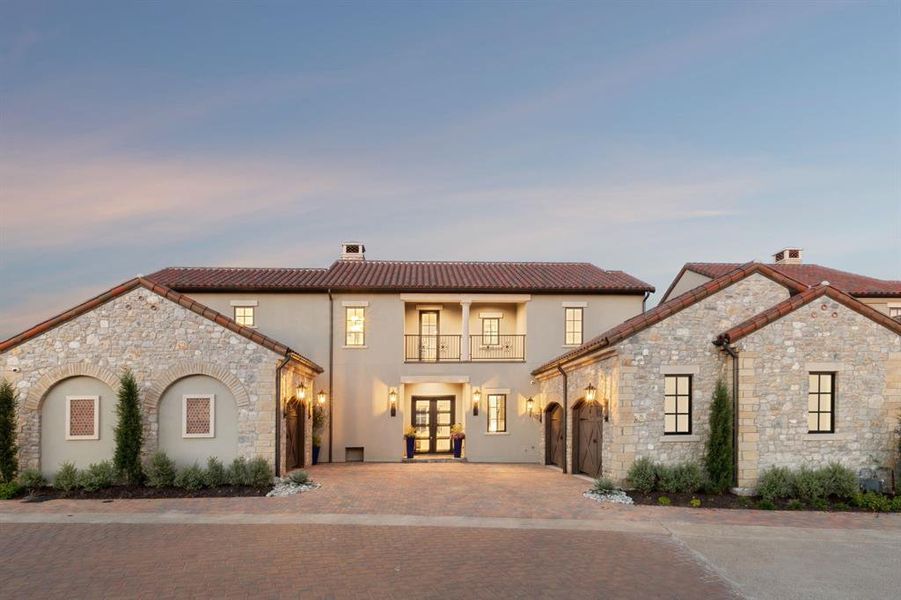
(129, 430)
(643, 475)
(841, 506)
(695, 502)
(97, 476)
(840, 481)
(239, 472)
(66, 478)
(664, 501)
(896, 504)
(9, 451)
(810, 485)
(766, 505)
(190, 478)
(794, 504)
(215, 474)
(259, 473)
(685, 478)
(745, 502)
(820, 504)
(160, 470)
(776, 483)
(873, 501)
(299, 477)
(602, 485)
(9, 489)
(32, 479)
(719, 456)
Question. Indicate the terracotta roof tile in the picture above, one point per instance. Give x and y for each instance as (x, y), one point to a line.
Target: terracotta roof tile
(197, 279)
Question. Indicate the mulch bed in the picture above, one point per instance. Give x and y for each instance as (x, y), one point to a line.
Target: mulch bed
(127, 492)
(732, 501)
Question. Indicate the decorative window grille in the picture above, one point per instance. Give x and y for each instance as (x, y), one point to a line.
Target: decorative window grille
(82, 417)
(198, 416)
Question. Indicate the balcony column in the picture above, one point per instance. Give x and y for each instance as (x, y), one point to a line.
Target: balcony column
(464, 333)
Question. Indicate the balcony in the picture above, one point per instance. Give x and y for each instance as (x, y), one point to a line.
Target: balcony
(482, 348)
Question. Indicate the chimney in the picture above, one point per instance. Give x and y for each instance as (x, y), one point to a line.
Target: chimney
(788, 256)
(353, 251)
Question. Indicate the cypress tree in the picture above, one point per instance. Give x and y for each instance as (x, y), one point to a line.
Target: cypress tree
(9, 457)
(720, 467)
(129, 430)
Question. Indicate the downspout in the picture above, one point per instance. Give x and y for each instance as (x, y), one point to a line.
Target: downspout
(331, 362)
(731, 351)
(565, 403)
(278, 413)
(644, 302)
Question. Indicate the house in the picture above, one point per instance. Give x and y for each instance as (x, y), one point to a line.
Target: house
(231, 361)
(814, 368)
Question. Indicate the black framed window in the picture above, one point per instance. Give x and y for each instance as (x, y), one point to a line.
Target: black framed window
(573, 326)
(491, 331)
(244, 315)
(355, 326)
(497, 413)
(677, 404)
(821, 403)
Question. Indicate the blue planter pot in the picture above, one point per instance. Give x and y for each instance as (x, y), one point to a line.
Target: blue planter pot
(458, 447)
(315, 455)
(410, 446)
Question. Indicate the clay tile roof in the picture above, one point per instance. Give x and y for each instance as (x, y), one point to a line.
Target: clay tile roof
(797, 301)
(169, 294)
(384, 275)
(198, 279)
(811, 274)
(657, 314)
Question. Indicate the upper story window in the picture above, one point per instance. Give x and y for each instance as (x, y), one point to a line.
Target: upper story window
(245, 315)
(355, 325)
(894, 312)
(677, 404)
(821, 403)
(497, 413)
(573, 325)
(491, 331)
(82, 417)
(198, 416)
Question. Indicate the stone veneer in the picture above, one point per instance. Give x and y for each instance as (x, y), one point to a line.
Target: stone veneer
(774, 364)
(160, 341)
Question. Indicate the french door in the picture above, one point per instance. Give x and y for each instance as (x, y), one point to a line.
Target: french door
(432, 418)
(428, 335)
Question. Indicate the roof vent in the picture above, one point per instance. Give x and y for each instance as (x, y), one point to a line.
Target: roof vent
(788, 256)
(353, 251)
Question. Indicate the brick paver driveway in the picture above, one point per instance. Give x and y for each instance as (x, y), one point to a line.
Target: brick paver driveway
(433, 531)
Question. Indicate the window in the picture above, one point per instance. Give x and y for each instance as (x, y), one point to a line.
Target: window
(491, 331)
(573, 326)
(244, 316)
(82, 417)
(894, 312)
(497, 413)
(677, 404)
(198, 416)
(821, 403)
(354, 325)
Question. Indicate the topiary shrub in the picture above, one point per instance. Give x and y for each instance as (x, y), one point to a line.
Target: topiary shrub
(259, 473)
(129, 430)
(776, 483)
(239, 472)
(299, 477)
(840, 481)
(215, 474)
(602, 485)
(809, 485)
(66, 478)
(9, 451)
(31, 480)
(643, 475)
(189, 478)
(719, 456)
(160, 470)
(97, 476)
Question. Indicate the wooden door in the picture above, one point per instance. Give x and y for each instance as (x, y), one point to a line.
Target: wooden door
(428, 335)
(554, 442)
(432, 418)
(587, 439)
(294, 435)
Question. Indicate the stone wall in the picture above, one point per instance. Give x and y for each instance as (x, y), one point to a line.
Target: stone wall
(774, 366)
(160, 342)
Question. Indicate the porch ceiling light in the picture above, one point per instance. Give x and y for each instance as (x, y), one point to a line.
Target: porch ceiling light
(392, 401)
(590, 393)
(476, 398)
(320, 397)
(301, 391)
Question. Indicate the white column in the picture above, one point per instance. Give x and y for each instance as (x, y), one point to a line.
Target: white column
(464, 332)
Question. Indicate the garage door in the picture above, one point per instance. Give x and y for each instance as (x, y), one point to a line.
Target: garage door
(554, 436)
(587, 440)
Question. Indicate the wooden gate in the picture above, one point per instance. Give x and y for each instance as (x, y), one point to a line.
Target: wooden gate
(294, 435)
(554, 443)
(588, 418)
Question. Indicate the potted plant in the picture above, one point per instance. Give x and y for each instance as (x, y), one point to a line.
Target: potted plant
(457, 437)
(410, 438)
(318, 424)
(317, 444)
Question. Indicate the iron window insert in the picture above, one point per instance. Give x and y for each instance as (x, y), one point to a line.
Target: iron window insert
(573, 325)
(82, 417)
(677, 405)
(198, 416)
(821, 402)
(497, 413)
(355, 325)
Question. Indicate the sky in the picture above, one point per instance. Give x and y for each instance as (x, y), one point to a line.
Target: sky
(633, 135)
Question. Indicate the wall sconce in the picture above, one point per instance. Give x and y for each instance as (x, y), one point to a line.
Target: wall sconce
(605, 408)
(392, 401)
(320, 397)
(301, 391)
(590, 393)
(476, 398)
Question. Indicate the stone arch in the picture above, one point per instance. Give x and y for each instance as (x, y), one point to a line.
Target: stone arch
(38, 391)
(195, 367)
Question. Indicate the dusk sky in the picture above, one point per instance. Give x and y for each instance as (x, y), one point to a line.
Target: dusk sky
(636, 136)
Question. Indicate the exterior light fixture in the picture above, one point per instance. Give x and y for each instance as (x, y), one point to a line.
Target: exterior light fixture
(320, 397)
(476, 398)
(392, 401)
(530, 404)
(301, 391)
(590, 393)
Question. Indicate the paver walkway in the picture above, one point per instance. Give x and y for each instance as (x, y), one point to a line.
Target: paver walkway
(436, 531)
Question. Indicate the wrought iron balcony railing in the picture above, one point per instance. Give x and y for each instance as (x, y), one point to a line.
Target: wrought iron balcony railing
(431, 348)
(497, 347)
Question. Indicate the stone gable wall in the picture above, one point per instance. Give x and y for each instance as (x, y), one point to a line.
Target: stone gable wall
(157, 339)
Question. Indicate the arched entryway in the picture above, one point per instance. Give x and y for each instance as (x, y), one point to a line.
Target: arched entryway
(588, 428)
(554, 443)
(295, 427)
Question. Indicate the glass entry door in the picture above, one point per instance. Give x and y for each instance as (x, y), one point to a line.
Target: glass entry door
(428, 335)
(432, 418)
